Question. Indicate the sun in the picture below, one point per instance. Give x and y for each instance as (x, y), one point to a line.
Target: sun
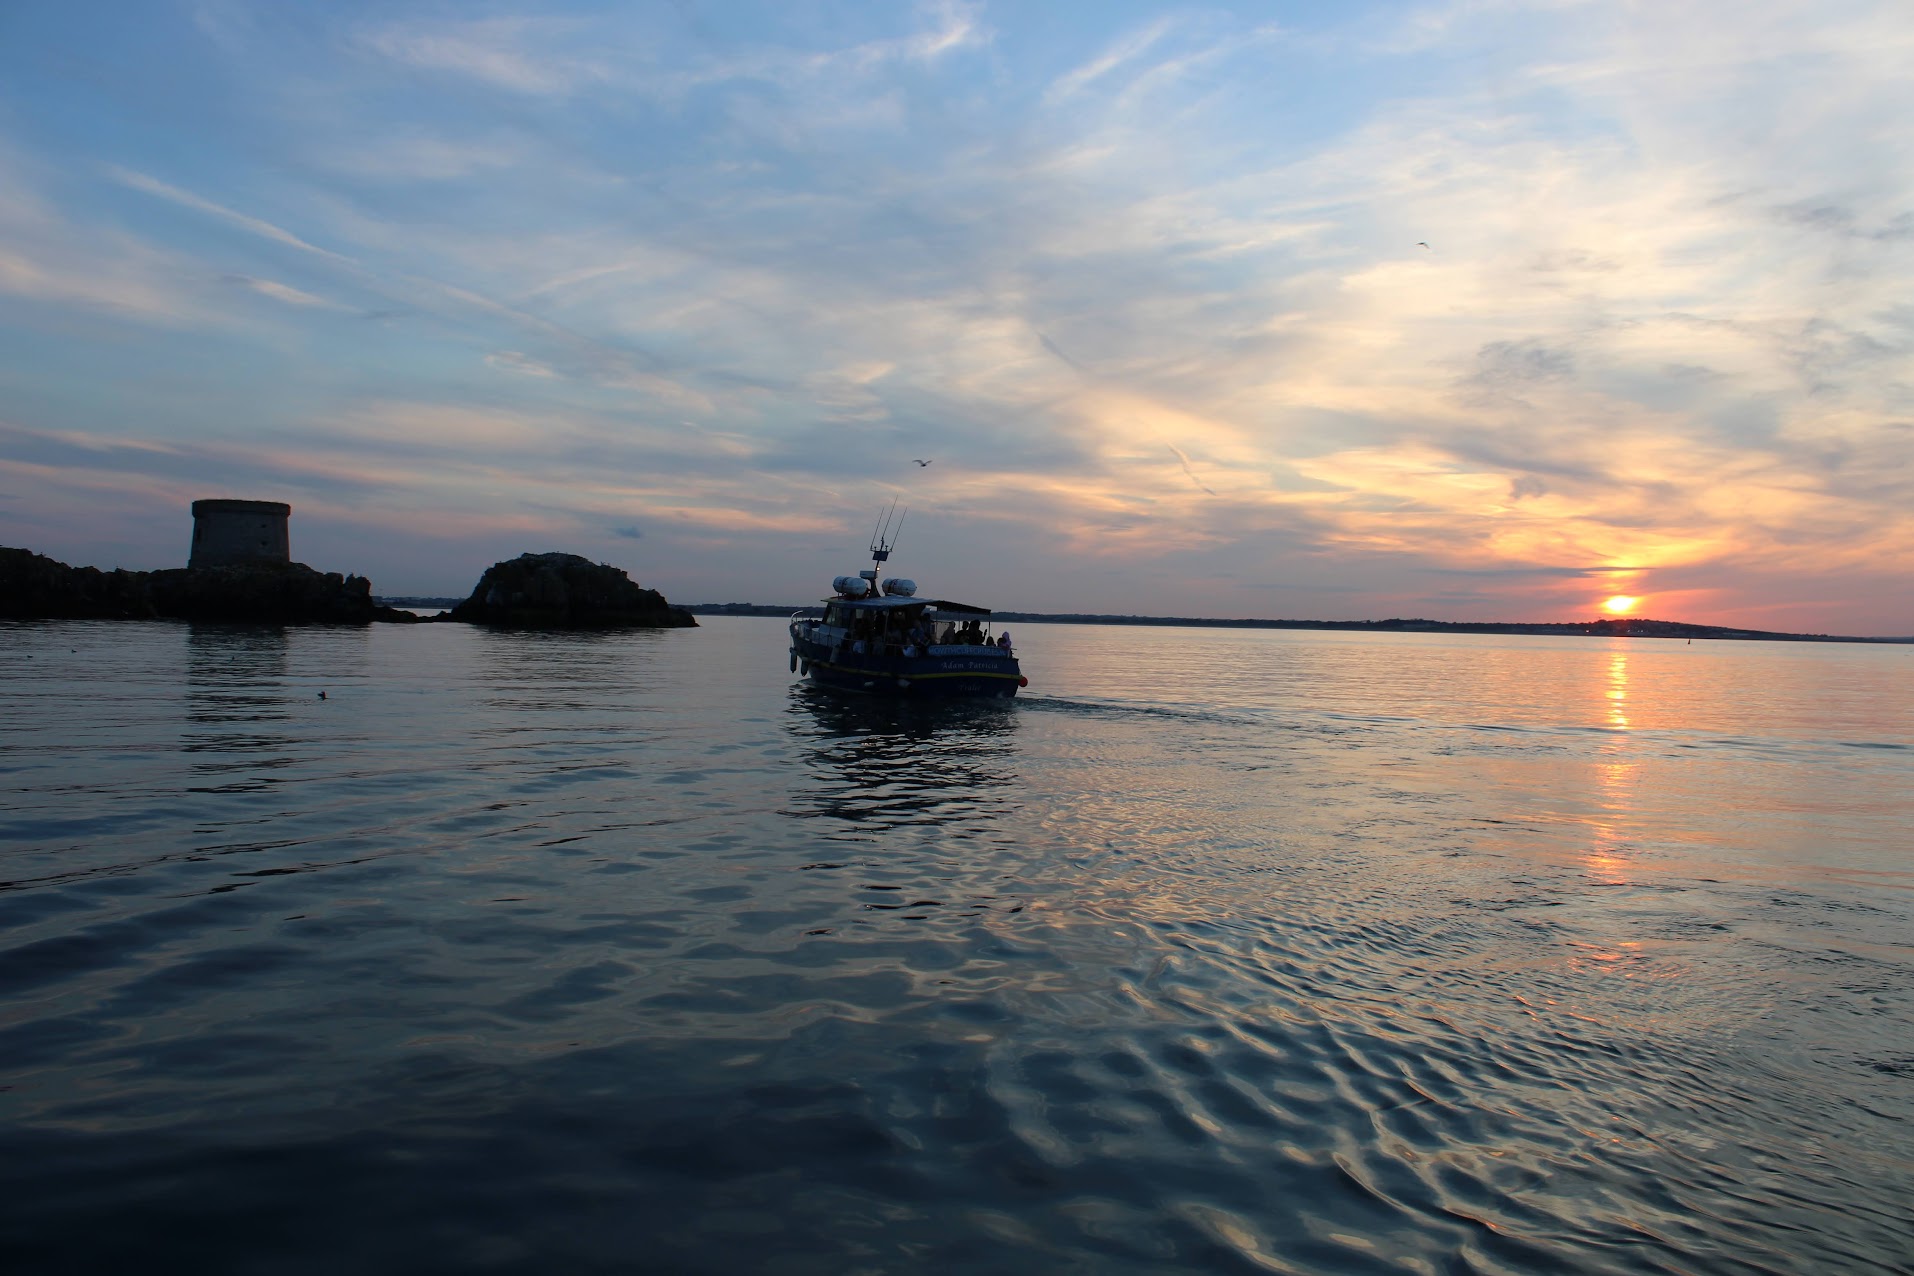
(1620, 605)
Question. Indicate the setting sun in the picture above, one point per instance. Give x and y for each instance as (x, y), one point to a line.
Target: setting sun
(1620, 604)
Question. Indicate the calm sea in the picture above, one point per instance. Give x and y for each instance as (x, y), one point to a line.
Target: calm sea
(1221, 950)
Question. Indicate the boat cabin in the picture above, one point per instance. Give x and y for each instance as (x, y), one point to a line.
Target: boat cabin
(891, 625)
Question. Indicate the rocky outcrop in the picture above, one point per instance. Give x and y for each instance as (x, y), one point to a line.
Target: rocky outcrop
(281, 593)
(564, 591)
(34, 587)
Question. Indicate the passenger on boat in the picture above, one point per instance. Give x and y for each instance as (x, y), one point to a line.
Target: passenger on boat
(1003, 640)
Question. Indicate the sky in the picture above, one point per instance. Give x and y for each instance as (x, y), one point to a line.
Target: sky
(1476, 310)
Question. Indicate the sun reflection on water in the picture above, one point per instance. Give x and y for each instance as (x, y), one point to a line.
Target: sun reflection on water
(1618, 690)
(1615, 779)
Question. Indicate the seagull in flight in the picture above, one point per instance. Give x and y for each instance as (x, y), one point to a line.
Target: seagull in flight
(920, 464)
(1423, 244)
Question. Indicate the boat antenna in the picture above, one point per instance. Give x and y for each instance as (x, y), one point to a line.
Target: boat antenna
(882, 538)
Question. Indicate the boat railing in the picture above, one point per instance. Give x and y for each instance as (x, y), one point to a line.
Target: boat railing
(965, 649)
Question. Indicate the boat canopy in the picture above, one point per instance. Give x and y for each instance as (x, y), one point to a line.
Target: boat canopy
(893, 603)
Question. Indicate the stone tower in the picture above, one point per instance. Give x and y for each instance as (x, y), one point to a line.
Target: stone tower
(227, 533)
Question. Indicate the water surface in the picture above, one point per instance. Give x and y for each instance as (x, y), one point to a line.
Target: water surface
(1221, 949)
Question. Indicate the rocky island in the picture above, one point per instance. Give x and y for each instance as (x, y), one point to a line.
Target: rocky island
(565, 591)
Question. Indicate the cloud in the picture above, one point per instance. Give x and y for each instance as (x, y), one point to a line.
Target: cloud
(1505, 365)
(418, 427)
(284, 293)
(620, 365)
(1126, 50)
(417, 155)
(252, 225)
(1185, 460)
(628, 533)
(508, 53)
(955, 27)
(47, 256)
(514, 361)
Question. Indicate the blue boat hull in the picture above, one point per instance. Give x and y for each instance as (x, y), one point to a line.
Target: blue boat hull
(930, 676)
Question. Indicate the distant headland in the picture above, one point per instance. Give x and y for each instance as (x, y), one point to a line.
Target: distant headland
(240, 571)
(1621, 627)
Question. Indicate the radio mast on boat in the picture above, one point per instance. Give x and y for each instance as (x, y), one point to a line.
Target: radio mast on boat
(883, 537)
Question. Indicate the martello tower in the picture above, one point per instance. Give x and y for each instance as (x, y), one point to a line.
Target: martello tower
(226, 533)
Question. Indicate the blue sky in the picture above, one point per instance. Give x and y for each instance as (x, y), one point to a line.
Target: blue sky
(685, 287)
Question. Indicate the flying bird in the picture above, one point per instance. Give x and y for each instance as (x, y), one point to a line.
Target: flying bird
(1421, 244)
(920, 464)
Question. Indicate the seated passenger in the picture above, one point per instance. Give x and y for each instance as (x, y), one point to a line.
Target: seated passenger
(1003, 640)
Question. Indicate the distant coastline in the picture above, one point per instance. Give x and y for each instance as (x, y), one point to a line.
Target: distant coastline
(1624, 627)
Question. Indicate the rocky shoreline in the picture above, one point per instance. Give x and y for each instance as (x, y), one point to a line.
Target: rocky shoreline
(35, 587)
(546, 591)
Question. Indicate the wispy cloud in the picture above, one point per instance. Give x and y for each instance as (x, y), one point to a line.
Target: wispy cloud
(251, 225)
(49, 257)
(514, 361)
(509, 52)
(418, 155)
(1125, 51)
(1182, 457)
(285, 293)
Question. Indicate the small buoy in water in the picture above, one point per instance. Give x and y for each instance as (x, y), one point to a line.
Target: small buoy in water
(322, 695)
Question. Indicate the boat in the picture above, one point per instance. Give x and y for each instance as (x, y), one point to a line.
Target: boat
(878, 636)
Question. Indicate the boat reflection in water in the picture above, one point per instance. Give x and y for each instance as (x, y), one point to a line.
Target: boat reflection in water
(883, 639)
(881, 764)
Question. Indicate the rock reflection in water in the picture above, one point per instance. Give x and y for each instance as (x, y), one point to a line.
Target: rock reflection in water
(236, 705)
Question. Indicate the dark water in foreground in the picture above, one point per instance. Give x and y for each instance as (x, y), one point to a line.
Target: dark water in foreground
(1225, 950)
